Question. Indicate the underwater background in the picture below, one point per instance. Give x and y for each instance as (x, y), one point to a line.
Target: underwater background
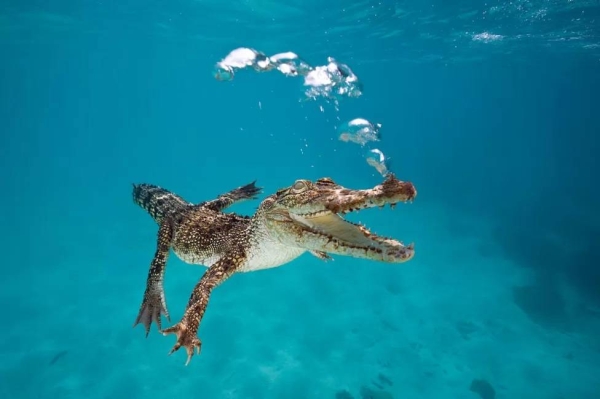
(490, 108)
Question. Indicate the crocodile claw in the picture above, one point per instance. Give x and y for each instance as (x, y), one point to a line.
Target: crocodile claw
(185, 338)
(249, 191)
(152, 307)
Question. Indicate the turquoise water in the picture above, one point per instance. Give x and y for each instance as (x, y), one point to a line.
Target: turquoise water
(490, 109)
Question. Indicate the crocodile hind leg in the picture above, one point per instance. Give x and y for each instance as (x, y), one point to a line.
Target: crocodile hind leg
(249, 191)
(154, 303)
(187, 329)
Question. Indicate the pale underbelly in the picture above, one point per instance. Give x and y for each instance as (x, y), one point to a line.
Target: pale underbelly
(266, 260)
(257, 260)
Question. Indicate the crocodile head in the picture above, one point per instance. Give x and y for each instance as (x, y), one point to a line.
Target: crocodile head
(309, 215)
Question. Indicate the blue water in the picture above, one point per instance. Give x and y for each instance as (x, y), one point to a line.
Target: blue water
(490, 109)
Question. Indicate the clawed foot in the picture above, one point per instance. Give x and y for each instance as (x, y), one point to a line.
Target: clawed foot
(152, 307)
(249, 191)
(186, 338)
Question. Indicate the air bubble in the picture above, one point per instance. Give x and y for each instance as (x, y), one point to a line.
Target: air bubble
(359, 131)
(331, 81)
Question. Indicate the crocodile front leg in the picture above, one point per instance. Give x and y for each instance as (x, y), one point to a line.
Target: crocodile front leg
(247, 192)
(154, 297)
(187, 329)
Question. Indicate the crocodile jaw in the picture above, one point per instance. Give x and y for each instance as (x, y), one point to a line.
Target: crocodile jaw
(314, 221)
(333, 234)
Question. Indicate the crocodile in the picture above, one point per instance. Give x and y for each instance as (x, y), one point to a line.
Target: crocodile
(305, 217)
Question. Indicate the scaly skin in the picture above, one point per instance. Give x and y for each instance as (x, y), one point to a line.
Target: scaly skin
(304, 217)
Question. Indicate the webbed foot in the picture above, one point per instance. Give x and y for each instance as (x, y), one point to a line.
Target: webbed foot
(153, 306)
(186, 338)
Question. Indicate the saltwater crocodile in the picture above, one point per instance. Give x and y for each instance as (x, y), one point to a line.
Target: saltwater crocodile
(305, 217)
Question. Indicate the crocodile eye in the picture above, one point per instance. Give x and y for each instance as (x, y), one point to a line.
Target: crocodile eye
(299, 186)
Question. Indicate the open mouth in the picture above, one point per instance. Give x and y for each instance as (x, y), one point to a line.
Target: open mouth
(338, 235)
(316, 222)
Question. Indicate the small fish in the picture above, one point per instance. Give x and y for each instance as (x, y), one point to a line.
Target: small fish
(57, 357)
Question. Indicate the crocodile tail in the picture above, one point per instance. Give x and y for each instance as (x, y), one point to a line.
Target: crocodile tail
(157, 201)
